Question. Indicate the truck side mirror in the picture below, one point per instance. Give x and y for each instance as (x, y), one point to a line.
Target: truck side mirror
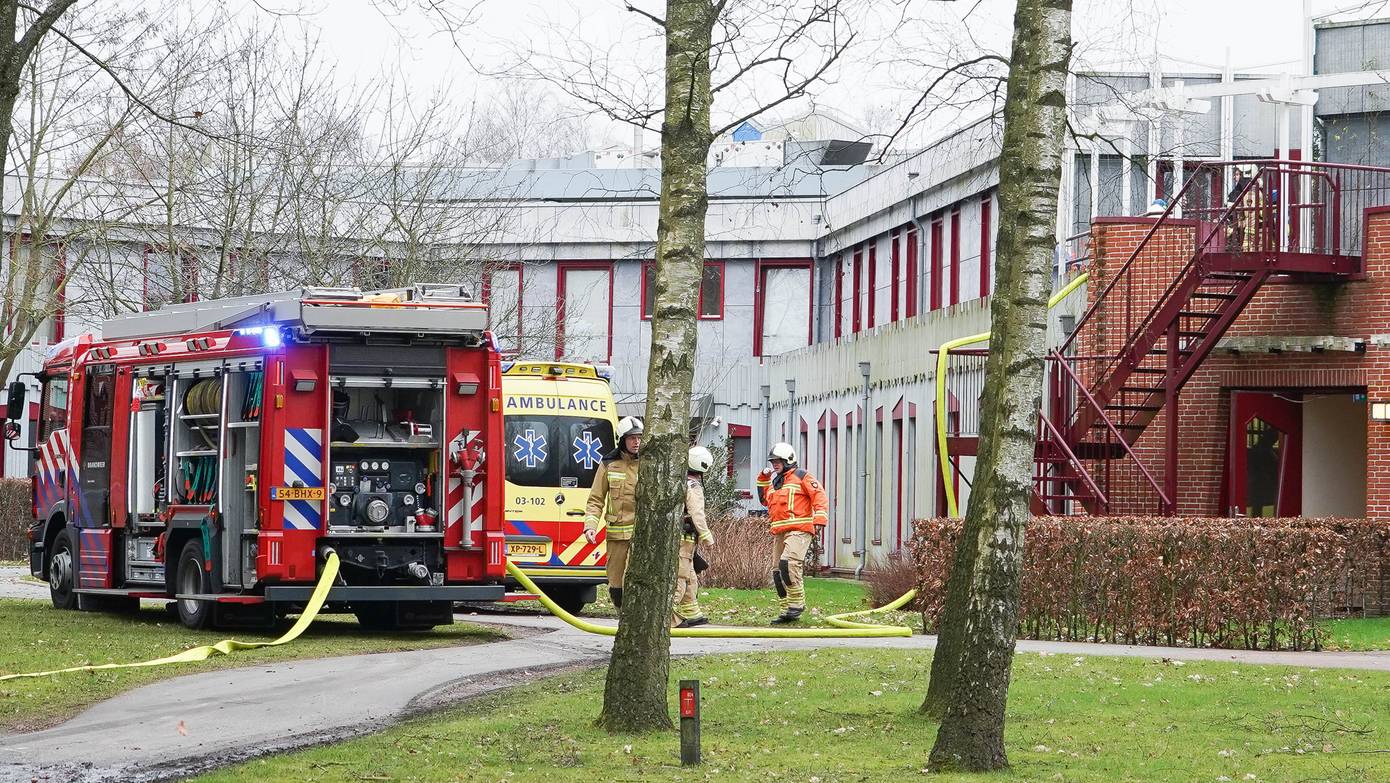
(14, 400)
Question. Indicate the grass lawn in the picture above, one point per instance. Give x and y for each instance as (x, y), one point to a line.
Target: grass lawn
(38, 637)
(824, 596)
(849, 715)
(1358, 633)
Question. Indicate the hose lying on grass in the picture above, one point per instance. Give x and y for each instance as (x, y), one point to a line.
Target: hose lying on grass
(844, 627)
(226, 646)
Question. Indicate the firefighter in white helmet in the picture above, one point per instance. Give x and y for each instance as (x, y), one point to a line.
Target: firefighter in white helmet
(685, 606)
(796, 507)
(613, 501)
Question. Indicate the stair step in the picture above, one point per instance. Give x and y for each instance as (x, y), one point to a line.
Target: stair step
(1142, 389)
(1117, 407)
(1197, 314)
(1209, 295)
(1150, 370)
(1102, 425)
(1241, 276)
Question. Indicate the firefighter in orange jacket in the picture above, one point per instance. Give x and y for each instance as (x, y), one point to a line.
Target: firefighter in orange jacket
(613, 501)
(796, 507)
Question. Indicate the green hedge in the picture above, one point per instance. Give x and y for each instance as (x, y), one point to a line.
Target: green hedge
(14, 518)
(1235, 583)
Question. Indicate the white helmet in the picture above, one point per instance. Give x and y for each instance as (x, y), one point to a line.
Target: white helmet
(700, 459)
(784, 452)
(629, 425)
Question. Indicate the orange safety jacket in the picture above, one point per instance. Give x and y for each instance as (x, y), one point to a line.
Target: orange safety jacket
(794, 500)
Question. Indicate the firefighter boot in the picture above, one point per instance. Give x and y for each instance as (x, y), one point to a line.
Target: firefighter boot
(616, 593)
(691, 622)
(779, 583)
(789, 615)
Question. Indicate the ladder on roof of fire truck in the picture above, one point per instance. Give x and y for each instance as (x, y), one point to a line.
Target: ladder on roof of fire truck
(1132, 351)
(423, 308)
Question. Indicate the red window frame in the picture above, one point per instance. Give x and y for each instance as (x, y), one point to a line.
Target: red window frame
(901, 457)
(873, 284)
(760, 278)
(934, 295)
(955, 256)
(60, 293)
(895, 263)
(857, 306)
(839, 294)
(986, 237)
(520, 287)
(911, 272)
(648, 267)
(561, 269)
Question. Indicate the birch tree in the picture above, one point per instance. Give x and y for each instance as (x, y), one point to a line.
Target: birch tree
(971, 666)
(752, 55)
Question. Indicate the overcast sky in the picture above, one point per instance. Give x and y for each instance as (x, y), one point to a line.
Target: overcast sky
(364, 40)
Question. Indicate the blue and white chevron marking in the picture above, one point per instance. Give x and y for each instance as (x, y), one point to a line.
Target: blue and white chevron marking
(303, 467)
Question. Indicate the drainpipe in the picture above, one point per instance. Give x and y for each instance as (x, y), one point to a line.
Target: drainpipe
(793, 426)
(767, 418)
(863, 476)
(921, 230)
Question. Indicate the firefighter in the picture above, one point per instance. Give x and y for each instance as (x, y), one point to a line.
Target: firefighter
(796, 506)
(685, 606)
(613, 499)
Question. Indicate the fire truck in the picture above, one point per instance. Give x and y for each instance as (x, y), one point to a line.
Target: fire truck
(215, 453)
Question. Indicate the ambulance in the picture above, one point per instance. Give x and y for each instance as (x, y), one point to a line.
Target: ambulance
(558, 421)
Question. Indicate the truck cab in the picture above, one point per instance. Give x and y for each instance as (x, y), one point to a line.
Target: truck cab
(559, 420)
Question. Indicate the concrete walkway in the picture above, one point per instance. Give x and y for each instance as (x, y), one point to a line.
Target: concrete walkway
(181, 726)
(14, 584)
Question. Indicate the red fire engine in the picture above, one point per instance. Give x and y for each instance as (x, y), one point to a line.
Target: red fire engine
(216, 452)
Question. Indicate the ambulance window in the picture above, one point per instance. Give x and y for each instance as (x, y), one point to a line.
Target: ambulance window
(587, 442)
(54, 414)
(529, 452)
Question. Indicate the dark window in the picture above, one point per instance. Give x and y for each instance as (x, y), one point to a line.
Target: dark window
(555, 451)
(648, 290)
(712, 291)
(54, 413)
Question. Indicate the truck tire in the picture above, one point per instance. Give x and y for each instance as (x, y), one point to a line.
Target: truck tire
(191, 578)
(571, 599)
(62, 570)
(404, 615)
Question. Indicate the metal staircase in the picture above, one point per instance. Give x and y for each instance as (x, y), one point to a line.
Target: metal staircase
(1149, 327)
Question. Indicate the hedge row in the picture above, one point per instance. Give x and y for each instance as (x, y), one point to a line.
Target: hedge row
(14, 518)
(1235, 583)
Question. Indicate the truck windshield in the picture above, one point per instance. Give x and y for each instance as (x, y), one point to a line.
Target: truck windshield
(555, 451)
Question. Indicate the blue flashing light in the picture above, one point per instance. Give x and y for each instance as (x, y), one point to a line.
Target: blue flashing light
(507, 366)
(270, 335)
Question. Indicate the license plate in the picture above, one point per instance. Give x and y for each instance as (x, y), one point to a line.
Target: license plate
(528, 550)
(297, 493)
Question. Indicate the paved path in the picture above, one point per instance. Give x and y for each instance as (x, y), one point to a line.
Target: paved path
(180, 726)
(13, 584)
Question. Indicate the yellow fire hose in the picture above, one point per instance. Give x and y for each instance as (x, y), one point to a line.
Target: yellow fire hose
(226, 646)
(844, 627)
(942, 353)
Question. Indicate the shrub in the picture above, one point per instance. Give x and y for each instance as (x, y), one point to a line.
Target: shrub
(889, 577)
(14, 518)
(741, 555)
(1239, 583)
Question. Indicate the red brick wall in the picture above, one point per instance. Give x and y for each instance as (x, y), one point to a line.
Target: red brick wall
(1358, 308)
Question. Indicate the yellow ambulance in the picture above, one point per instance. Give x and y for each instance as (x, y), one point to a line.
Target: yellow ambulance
(559, 420)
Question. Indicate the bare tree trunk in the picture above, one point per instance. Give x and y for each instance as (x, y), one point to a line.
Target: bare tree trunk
(634, 697)
(975, 669)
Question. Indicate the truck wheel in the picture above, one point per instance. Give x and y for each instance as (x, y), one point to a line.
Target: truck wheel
(571, 599)
(192, 579)
(62, 573)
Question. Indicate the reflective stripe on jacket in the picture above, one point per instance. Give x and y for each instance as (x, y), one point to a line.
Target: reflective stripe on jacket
(613, 498)
(794, 500)
(694, 525)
